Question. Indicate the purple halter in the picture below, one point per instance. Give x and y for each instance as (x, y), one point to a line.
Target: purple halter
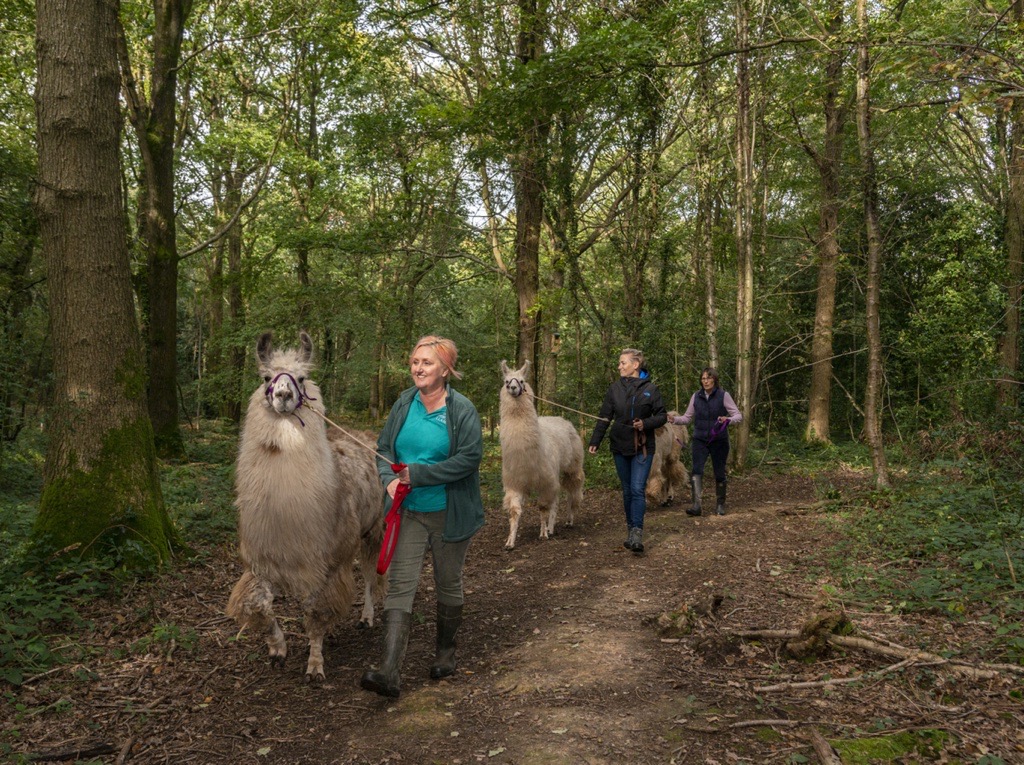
(269, 393)
(717, 429)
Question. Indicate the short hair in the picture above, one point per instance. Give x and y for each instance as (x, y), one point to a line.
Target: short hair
(445, 350)
(636, 354)
(710, 372)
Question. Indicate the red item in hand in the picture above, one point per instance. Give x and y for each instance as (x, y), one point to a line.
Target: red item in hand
(392, 520)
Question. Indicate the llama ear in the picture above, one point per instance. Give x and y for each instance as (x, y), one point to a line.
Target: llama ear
(307, 347)
(264, 346)
(526, 367)
(504, 367)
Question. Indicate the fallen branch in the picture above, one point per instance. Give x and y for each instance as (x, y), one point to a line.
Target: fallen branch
(824, 750)
(86, 753)
(976, 672)
(835, 681)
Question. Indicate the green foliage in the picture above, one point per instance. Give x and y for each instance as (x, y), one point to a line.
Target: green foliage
(41, 596)
(949, 539)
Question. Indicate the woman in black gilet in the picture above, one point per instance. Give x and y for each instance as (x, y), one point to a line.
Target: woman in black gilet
(711, 410)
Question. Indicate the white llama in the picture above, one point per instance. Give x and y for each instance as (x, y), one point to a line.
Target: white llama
(308, 505)
(667, 470)
(538, 455)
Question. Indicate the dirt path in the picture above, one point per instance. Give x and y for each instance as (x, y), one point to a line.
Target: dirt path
(560, 661)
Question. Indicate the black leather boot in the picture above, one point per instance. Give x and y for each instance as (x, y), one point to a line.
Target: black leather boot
(386, 680)
(695, 488)
(449, 619)
(720, 493)
(638, 541)
(628, 544)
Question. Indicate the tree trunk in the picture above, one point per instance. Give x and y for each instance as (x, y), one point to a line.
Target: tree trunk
(101, 487)
(873, 389)
(527, 169)
(705, 181)
(1009, 343)
(744, 237)
(828, 164)
(155, 124)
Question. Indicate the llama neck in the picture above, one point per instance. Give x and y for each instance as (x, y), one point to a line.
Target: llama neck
(519, 427)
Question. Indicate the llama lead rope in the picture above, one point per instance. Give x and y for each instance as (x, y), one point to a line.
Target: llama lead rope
(393, 520)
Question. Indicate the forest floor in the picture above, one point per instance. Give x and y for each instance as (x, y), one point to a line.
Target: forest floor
(561, 660)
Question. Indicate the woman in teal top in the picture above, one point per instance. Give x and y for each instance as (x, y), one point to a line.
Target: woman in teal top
(436, 432)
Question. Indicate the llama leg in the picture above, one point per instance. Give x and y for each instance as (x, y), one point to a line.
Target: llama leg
(252, 605)
(374, 588)
(548, 514)
(513, 504)
(574, 492)
(322, 611)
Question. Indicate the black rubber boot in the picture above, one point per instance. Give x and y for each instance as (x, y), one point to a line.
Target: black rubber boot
(449, 619)
(695, 487)
(720, 492)
(386, 680)
(628, 544)
(638, 541)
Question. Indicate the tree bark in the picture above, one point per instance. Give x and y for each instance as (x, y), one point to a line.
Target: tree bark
(744, 237)
(528, 169)
(1009, 343)
(828, 165)
(155, 124)
(101, 489)
(873, 388)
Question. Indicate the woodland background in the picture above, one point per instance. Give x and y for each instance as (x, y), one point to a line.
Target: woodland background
(823, 198)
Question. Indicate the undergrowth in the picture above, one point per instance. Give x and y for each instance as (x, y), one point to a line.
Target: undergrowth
(41, 597)
(948, 538)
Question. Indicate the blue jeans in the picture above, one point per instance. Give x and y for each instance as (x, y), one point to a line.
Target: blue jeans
(633, 471)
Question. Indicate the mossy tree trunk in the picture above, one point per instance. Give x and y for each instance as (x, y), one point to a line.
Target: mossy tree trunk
(101, 487)
(828, 162)
(155, 123)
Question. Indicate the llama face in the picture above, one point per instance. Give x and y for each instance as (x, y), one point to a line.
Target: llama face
(284, 373)
(515, 379)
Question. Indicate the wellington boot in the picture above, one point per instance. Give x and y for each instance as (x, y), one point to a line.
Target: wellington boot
(628, 544)
(720, 495)
(449, 619)
(386, 680)
(695, 488)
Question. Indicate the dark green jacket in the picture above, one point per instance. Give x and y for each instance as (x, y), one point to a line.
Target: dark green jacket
(460, 472)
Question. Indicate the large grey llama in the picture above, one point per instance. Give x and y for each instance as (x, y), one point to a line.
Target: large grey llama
(538, 455)
(309, 503)
(667, 470)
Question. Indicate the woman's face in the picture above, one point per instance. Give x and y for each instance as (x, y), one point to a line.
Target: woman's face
(629, 366)
(707, 382)
(428, 373)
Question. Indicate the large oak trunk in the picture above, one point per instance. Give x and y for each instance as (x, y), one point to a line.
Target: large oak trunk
(100, 484)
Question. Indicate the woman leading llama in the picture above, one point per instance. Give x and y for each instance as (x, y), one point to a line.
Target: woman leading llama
(634, 410)
(710, 410)
(436, 432)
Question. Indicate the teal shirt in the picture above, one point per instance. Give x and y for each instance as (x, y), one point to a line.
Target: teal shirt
(423, 439)
(459, 472)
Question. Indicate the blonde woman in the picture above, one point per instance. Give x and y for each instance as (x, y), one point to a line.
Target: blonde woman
(436, 432)
(632, 409)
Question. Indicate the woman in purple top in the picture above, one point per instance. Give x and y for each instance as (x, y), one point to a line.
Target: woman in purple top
(711, 410)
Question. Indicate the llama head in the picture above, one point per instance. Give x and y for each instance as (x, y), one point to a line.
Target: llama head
(284, 372)
(515, 379)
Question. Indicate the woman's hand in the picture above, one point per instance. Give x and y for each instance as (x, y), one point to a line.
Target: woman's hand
(592, 449)
(392, 488)
(638, 424)
(723, 419)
